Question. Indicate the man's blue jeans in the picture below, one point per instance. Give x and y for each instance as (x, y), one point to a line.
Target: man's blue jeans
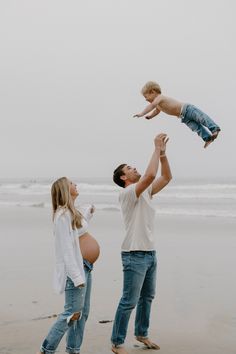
(76, 300)
(139, 286)
(198, 121)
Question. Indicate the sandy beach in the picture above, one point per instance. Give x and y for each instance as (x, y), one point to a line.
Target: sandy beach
(194, 310)
(74, 103)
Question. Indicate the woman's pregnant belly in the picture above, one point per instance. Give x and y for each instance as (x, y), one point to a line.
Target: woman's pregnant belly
(89, 247)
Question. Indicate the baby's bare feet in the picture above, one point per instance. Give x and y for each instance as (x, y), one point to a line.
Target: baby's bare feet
(215, 134)
(119, 350)
(149, 344)
(208, 142)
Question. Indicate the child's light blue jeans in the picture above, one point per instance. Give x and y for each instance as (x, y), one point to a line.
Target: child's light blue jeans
(198, 121)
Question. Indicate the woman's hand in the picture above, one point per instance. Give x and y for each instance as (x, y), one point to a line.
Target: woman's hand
(81, 285)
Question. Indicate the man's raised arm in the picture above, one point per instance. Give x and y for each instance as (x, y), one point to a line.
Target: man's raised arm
(150, 174)
(166, 175)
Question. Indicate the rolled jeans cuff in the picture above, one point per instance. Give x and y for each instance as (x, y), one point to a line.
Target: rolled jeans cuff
(45, 351)
(72, 351)
(117, 345)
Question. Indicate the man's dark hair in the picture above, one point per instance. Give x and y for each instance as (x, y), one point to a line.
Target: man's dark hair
(117, 174)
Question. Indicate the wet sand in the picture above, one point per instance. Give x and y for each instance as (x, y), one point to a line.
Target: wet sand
(194, 310)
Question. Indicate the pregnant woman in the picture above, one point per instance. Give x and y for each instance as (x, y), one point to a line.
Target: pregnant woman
(76, 251)
(90, 251)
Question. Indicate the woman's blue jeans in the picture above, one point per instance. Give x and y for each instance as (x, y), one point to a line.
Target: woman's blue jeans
(75, 333)
(198, 121)
(77, 300)
(139, 286)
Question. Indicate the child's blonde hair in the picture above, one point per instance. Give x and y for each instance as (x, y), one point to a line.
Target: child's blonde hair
(61, 198)
(151, 86)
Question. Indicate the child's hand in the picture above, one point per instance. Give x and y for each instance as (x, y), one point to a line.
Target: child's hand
(138, 115)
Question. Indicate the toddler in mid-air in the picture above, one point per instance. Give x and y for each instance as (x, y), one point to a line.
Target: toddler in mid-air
(192, 116)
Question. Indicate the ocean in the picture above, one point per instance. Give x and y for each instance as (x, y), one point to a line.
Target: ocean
(181, 197)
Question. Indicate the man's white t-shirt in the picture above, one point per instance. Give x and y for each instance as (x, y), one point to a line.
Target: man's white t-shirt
(139, 218)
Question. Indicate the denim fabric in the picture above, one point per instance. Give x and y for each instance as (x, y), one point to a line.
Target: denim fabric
(74, 301)
(88, 265)
(76, 332)
(198, 121)
(139, 285)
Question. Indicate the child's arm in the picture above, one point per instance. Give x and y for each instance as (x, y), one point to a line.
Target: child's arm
(153, 105)
(153, 114)
(148, 109)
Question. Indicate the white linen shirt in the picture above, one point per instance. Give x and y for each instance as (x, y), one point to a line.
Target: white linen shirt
(139, 217)
(69, 260)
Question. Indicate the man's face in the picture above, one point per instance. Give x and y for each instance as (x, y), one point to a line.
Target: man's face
(130, 174)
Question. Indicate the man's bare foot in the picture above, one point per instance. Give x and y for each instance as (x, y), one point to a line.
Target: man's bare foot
(208, 142)
(149, 344)
(119, 350)
(215, 134)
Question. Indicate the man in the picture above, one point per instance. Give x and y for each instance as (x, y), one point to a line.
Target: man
(138, 248)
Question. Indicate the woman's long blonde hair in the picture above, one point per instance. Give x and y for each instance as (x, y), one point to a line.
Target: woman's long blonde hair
(61, 198)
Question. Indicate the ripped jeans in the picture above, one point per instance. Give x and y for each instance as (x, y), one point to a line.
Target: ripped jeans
(73, 318)
(75, 333)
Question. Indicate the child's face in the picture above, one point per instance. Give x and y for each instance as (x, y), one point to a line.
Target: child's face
(150, 96)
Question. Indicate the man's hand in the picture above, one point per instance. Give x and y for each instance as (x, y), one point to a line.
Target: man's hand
(159, 141)
(163, 145)
(138, 115)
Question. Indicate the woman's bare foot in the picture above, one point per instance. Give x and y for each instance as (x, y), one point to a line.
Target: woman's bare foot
(119, 350)
(149, 344)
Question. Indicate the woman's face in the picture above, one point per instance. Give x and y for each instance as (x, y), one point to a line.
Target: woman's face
(73, 189)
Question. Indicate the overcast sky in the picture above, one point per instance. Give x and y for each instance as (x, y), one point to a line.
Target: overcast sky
(70, 80)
